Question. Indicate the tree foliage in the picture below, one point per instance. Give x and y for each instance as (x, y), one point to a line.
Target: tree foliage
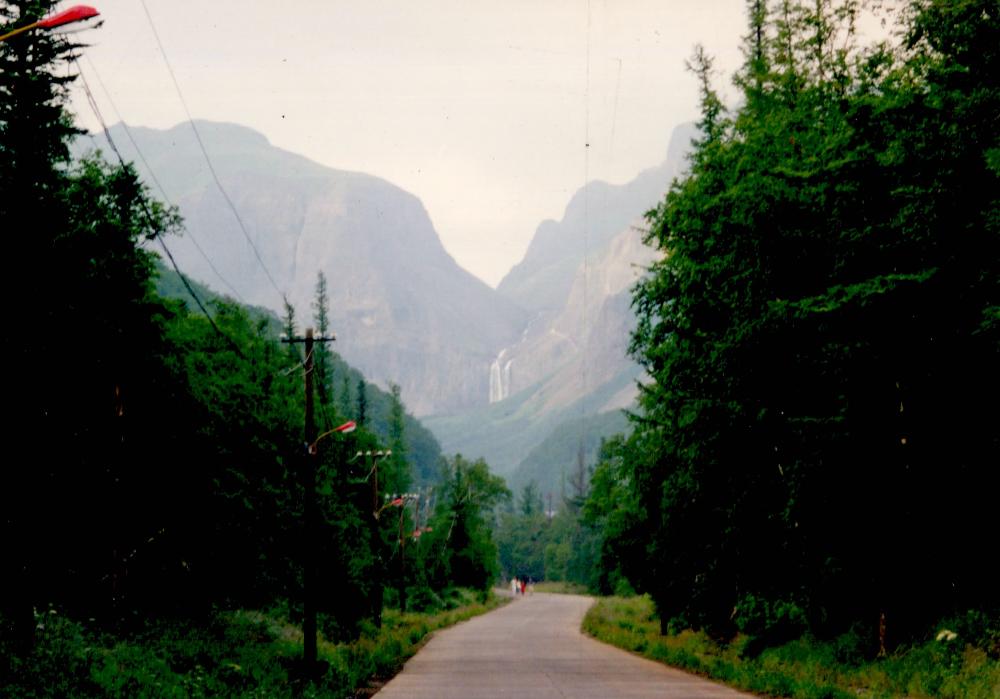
(160, 460)
(459, 549)
(538, 543)
(818, 332)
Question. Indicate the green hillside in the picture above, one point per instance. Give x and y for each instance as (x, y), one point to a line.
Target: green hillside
(550, 465)
(422, 449)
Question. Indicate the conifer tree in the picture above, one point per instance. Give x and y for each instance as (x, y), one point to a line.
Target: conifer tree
(70, 511)
(323, 358)
(828, 287)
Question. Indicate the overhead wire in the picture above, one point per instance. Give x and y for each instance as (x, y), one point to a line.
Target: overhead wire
(204, 152)
(151, 219)
(154, 179)
(584, 379)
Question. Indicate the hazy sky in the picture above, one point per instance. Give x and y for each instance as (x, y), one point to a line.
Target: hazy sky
(481, 109)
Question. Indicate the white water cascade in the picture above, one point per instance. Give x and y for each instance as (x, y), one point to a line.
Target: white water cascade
(500, 377)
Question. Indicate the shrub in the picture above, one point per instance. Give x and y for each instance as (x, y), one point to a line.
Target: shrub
(767, 622)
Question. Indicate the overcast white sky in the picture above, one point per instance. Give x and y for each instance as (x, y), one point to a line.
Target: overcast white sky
(481, 109)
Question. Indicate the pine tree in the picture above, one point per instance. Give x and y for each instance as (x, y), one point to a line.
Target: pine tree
(827, 287)
(323, 358)
(399, 468)
(71, 512)
(288, 321)
(362, 418)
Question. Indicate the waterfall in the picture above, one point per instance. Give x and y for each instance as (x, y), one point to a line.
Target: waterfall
(500, 377)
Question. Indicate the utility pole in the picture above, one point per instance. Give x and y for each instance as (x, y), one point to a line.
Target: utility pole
(309, 507)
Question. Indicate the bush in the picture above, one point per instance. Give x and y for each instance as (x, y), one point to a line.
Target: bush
(854, 647)
(768, 623)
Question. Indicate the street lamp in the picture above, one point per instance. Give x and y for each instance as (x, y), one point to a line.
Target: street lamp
(348, 426)
(375, 456)
(77, 13)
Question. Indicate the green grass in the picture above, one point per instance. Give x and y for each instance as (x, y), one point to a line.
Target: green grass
(561, 588)
(805, 669)
(234, 654)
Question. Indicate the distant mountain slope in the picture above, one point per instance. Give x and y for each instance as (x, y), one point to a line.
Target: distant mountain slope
(422, 448)
(403, 310)
(594, 215)
(585, 343)
(551, 464)
(568, 376)
(505, 433)
(565, 369)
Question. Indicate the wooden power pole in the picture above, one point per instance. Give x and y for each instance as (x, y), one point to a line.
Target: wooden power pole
(309, 507)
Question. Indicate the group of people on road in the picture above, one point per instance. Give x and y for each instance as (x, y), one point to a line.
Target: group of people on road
(521, 586)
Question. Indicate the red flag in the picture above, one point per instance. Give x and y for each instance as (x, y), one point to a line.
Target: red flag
(348, 426)
(73, 14)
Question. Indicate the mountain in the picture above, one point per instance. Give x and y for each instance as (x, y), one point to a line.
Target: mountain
(402, 309)
(563, 370)
(583, 344)
(595, 214)
(562, 385)
(552, 463)
(494, 373)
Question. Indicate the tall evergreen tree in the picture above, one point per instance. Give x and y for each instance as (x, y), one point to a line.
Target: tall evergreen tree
(362, 418)
(826, 291)
(398, 471)
(323, 359)
(73, 511)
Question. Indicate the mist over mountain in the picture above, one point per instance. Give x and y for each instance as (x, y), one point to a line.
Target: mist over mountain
(596, 213)
(570, 367)
(506, 374)
(569, 372)
(403, 310)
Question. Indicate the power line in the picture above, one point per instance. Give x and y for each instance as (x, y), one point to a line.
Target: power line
(586, 271)
(152, 176)
(151, 219)
(204, 152)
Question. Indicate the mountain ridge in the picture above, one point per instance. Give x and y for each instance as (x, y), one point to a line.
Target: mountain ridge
(403, 309)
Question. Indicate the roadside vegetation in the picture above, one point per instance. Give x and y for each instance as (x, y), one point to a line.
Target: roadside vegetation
(561, 588)
(226, 654)
(961, 660)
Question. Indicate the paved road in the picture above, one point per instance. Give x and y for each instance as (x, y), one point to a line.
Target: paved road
(533, 647)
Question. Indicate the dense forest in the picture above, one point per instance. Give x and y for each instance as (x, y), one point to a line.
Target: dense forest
(158, 470)
(816, 447)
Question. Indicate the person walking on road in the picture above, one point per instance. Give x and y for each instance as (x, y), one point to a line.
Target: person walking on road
(514, 587)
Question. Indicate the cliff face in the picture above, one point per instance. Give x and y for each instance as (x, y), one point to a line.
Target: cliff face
(594, 215)
(577, 349)
(575, 280)
(570, 368)
(402, 309)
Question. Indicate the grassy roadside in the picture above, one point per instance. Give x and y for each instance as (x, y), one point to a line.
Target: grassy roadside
(562, 588)
(234, 654)
(803, 669)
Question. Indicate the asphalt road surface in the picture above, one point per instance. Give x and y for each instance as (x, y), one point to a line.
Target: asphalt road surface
(533, 647)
